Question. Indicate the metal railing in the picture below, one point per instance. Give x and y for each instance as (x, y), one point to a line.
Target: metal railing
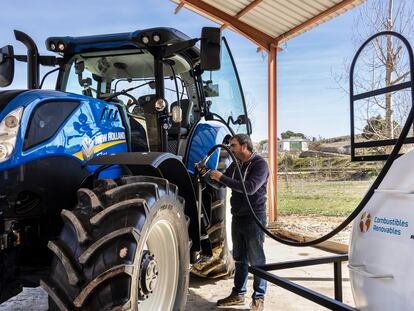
(323, 300)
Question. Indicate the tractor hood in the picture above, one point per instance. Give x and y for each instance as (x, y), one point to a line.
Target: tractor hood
(12, 99)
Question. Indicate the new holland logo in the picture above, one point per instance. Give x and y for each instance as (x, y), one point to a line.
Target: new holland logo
(88, 146)
(365, 222)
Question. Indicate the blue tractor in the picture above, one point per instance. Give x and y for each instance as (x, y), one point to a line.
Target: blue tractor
(100, 203)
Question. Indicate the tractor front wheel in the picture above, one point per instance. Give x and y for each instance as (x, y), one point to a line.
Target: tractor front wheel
(124, 247)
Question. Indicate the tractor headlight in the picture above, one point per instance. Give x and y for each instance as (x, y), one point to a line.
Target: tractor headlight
(160, 105)
(61, 46)
(9, 127)
(156, 38)
(52, 46)
(11, 121)
(145, 39)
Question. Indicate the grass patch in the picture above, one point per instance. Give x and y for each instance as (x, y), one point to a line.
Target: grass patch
(323, 198)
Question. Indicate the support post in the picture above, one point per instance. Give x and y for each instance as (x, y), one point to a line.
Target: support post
(272, 132)
(338, 280)
(159, 90)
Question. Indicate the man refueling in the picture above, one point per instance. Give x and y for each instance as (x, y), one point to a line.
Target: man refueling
(247, 236)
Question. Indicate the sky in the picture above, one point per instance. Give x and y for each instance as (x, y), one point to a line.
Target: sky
(309, 100)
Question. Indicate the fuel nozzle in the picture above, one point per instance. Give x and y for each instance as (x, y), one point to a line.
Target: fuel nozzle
(202, 166)
(203, 162)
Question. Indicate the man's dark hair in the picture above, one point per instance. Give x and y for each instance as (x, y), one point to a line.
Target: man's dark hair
(244, 139)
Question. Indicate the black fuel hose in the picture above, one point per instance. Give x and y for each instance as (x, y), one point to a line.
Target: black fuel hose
(394, 154)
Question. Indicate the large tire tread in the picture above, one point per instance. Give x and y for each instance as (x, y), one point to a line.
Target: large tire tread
(88, 271)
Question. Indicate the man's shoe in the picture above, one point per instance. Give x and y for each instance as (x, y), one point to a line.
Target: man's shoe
(231, 300)
(257, 305)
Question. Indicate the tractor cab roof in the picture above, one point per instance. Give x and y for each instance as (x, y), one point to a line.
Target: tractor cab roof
(152, 39)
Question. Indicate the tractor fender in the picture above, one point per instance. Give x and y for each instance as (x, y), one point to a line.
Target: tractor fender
(205, 135)
(165, 165)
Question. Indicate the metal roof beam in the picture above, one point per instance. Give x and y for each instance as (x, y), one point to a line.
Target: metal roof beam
(314, 20)
(179, 6)
(260, 38)
(248, 8)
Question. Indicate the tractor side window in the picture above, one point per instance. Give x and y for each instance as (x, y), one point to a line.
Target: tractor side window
(172, 95)
(142, 117)
(222, 88)
(73, 84)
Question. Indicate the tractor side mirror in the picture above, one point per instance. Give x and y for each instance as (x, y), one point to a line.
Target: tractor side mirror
(241, 119)
(210, 49)
(6, 65)
(79, 67)
(210, 89)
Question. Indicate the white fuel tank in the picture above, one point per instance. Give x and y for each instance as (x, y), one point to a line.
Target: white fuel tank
(381, 254)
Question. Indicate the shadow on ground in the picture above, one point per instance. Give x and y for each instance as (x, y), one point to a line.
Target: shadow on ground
(204, 294)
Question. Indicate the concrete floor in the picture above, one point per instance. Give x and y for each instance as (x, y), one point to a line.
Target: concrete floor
(204, 293)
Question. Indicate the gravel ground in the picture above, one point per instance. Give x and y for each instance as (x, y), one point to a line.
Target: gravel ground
(314, 226)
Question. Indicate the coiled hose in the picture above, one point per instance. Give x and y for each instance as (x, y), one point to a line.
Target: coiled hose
(394, 154)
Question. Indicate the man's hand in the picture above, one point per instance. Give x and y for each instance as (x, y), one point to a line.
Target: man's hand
(216, 175)
(201, 168)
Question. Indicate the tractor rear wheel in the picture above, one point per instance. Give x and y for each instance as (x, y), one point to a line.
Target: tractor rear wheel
(220, 263)
(124, 247)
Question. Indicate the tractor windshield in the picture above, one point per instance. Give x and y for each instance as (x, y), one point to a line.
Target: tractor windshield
(223, 90)
(127, 77)
(98, 74)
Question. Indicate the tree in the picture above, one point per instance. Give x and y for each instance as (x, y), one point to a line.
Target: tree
(261, 144)
(251, 105)
(376, 128)
(383, 63)
(289, 134)
(285, 163)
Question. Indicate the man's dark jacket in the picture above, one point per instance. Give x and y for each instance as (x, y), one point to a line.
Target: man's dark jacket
(255, 174)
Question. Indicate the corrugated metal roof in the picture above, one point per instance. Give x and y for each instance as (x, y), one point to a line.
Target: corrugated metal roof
(281, 20)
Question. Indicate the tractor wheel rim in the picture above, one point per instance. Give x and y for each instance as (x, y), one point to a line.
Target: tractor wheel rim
(160, 274)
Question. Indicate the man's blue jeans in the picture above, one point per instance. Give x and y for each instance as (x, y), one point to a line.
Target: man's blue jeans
(248, 241)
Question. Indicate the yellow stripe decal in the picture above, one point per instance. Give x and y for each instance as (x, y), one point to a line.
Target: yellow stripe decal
(98, 148)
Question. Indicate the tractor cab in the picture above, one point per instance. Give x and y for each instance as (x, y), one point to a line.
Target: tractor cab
(138, 74)
(166, 83)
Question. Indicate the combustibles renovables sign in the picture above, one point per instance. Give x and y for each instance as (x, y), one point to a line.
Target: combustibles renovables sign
(385, 225)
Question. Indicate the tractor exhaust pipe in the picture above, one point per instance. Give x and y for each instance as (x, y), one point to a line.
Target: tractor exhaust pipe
(32, 59)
